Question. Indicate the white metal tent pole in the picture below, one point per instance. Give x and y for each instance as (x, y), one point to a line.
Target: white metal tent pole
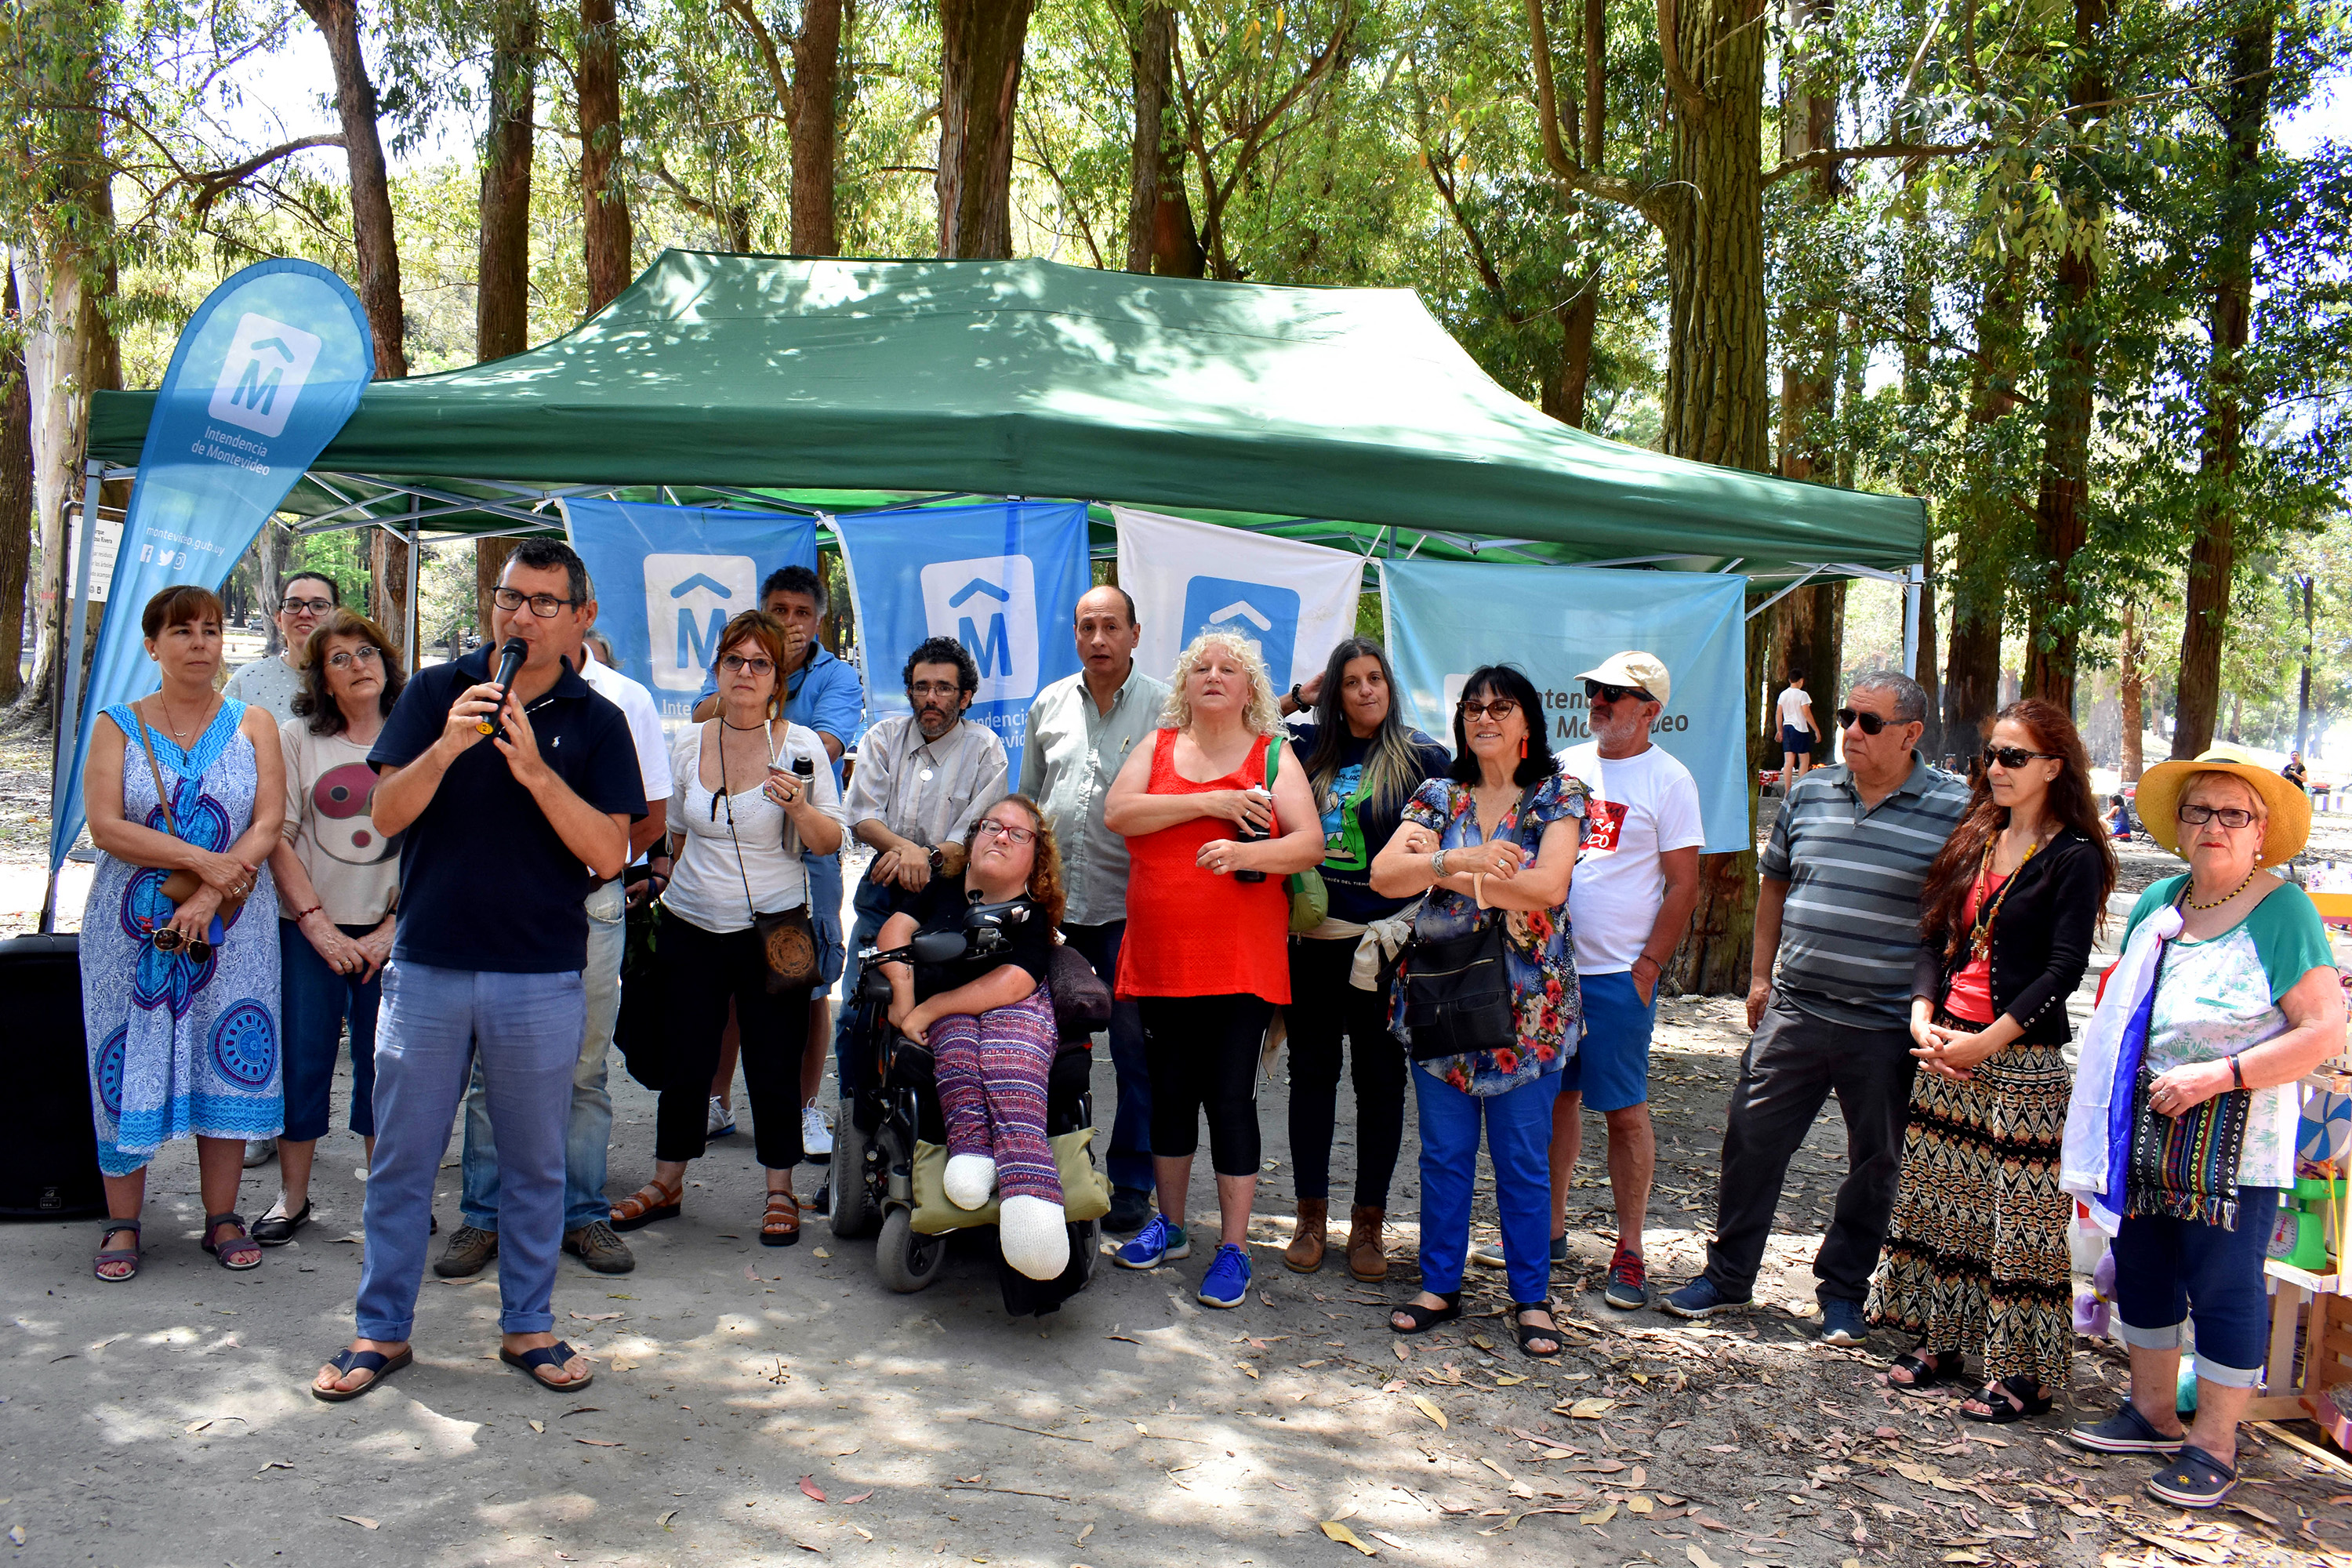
(415, 620)
(69, 692)
(1912, 582)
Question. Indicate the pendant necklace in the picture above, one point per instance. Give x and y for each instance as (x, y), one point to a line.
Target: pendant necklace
(1981, 940)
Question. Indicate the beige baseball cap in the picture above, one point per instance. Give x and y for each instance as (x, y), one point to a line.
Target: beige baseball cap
(1634, 668)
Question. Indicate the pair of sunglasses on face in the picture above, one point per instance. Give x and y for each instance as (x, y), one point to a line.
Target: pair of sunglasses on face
(2014, 757)
(1869, 723)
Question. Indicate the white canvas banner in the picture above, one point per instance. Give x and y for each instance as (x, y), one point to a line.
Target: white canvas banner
(1295, 601)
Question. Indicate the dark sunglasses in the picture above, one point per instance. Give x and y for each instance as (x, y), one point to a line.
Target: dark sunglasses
(168, 939)
(1871, 723)
(1596, 692)
(1501, 708)
(2017, 756)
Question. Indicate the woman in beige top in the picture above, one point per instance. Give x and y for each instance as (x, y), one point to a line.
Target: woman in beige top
(337, 882)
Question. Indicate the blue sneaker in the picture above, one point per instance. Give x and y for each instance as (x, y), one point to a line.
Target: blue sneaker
(1158, 1242)
(1226, 1284)
(1841, 1322)
(1700, 1299)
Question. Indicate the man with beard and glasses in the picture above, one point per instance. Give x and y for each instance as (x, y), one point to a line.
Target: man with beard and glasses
(922, 777)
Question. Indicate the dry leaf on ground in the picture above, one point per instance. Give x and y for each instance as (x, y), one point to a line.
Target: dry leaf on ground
(362, 1522)
(1591, 1409)
(809, 1488)
(1699, 1559)
(1345, 1537)
(1429, 1407)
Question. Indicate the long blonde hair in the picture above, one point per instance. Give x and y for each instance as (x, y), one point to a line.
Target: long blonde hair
(1260, 715)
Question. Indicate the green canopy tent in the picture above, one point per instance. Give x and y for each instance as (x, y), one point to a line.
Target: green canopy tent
(819, 385)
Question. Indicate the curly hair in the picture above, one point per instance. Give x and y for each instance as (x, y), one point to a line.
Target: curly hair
(313, 701)
(1260, 715)
(767, 632)
(1045, 885)
(943, 650)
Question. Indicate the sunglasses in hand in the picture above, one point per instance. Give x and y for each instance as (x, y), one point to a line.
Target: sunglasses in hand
(168, 939)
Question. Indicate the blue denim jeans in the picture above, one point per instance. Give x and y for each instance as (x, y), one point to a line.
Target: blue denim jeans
(1518, 1141)
(2169, 1271)
(1129, 1161)
(873, 905)
(317, 1002)
(525, 1029)
(588, 1132)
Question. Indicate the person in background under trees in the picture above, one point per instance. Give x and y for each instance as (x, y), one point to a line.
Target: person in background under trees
(1801, 732)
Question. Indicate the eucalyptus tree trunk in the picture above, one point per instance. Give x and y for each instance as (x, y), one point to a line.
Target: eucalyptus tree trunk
(815, 124)
(372, 243)
(15, 501)
(2131, 682)
(1987, 517)
(604, 200)
(2212, 549)
(981, 45)
(502, 275)
(1160, 234)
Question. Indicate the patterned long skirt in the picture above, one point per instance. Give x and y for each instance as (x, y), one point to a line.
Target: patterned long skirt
(1975, 1258)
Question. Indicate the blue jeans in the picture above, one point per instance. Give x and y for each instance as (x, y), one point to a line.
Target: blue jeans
(1518, 1141)
(873, 905)
(588, 1132)
(1129, 1161)
(526, 1030)
(317, 1000)
(2169, 1270)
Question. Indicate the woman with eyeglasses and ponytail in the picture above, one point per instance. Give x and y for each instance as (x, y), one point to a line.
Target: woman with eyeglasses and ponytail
(1975, 1261)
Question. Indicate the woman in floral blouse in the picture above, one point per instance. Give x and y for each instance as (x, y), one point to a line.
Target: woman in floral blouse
(1517, 873)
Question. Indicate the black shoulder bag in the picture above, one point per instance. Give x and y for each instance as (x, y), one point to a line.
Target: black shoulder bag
(1457, 995)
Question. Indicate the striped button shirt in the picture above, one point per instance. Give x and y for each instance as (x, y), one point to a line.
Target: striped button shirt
(1850, 930)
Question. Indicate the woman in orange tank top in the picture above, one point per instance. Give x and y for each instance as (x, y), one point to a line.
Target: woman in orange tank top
(1205, 955)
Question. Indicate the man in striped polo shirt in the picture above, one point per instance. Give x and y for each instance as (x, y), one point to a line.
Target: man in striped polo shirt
(1839, 907)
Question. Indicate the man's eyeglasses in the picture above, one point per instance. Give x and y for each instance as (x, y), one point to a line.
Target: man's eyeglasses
(2230, 816)
(543, 606)
(2014, 757)
(947, 689)
(366, 654)
(1498, 708)
(1018, 836)
(736, 664)
(1596, 692)
(306, 607)
(1870, 723)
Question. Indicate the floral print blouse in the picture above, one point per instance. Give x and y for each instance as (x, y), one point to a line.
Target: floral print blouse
(1537, 953)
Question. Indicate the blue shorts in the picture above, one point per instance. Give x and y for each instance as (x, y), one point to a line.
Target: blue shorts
(1611, 1068)
(1795, 741)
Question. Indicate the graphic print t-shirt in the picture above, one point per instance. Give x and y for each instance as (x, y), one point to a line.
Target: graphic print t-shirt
(1347, 876)
(1640, 806)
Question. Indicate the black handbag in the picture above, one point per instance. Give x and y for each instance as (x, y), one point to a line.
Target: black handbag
(1457, 989)
(641, 1031)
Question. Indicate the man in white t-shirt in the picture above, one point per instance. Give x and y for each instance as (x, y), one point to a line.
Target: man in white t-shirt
(1636, 883)
(588, 1132)
(1800, 733)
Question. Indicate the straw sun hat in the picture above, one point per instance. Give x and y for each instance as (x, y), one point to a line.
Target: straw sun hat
(2285, 832)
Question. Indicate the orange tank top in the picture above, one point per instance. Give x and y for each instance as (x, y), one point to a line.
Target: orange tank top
(1190, 932)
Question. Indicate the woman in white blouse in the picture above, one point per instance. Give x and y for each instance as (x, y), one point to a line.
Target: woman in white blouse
(740, 812)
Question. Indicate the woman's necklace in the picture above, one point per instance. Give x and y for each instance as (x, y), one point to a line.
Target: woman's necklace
(2230, 894)
(1981, 940)
(164, 705)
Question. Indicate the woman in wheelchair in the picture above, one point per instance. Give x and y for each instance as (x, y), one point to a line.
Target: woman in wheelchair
(988, 1020)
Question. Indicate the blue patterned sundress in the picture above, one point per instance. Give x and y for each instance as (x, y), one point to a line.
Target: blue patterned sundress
(177, 1048)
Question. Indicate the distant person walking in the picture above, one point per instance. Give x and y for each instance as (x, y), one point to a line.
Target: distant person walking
(2295, 773)
(1800, 733)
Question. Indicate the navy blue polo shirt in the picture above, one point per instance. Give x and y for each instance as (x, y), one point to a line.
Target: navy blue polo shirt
(485, 880)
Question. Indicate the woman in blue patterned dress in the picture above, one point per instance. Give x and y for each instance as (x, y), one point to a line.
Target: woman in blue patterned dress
(179, 1004)
(1516, 871)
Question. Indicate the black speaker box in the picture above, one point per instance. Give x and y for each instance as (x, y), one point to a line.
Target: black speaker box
(48, 1160)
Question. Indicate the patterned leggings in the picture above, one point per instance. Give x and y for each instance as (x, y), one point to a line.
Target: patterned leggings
(991, 1078)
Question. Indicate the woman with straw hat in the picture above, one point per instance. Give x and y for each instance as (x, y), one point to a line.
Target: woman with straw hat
(2182, 1130)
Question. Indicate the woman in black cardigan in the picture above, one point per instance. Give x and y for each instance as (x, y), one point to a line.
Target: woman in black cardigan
(1975, 1258)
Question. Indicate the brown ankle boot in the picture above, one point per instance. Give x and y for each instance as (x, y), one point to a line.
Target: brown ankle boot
(1366, 1262)
(1304, 1253)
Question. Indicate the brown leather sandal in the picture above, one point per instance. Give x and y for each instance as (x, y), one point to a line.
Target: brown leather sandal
(649, 1202)
(781, 1226)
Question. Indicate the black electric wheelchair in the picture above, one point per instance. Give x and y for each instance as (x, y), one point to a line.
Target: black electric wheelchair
(896, 1102)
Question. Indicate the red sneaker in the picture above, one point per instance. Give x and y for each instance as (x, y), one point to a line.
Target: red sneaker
(1629, 1282)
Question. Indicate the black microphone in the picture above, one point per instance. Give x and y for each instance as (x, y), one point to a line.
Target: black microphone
(511, 655)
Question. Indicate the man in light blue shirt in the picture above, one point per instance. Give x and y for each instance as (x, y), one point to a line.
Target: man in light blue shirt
(1081, 730)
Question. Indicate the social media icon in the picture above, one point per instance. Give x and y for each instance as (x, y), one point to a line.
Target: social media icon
(988, 604)
(689, 599)
(263, 375)
(1265, 615)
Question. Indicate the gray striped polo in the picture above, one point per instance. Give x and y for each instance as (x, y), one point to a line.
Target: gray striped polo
(1850, 929)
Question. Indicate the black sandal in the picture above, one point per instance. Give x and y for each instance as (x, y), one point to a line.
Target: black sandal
(1528, 1332)
(1926, 1371)
(547, 1358)
(2016, 1397)
(117, 1253)
(348, 1361)
(1427, 1318)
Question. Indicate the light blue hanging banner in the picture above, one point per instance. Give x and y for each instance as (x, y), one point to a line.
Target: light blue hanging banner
(1446, 618)
(265, 373)
(1003, 579)
(669, 578)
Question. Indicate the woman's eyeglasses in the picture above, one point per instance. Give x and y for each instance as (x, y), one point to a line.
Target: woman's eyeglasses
(1871, 723)
(1017, 836)
(169, 939)
(2015, 757)
(1498, 709)
(306, 607)
(350, 656)
(736, 664)
(2228, 817)
(1596, 692)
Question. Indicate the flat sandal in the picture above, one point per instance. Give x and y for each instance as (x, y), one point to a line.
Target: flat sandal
(781, 1224)
(648, 1204)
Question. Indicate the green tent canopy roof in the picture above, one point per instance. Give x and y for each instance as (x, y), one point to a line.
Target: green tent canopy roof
(1314, 411)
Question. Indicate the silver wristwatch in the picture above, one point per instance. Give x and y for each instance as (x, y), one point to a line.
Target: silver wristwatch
(1437, 862)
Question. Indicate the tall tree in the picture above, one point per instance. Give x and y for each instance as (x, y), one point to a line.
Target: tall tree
(2131, 683)
(502, 276)
(604, 199)
(2213, 546)
(809, 96)
(374, 248)
(15, 490)
(981, 46)
(1986, 513)
(1159, 233)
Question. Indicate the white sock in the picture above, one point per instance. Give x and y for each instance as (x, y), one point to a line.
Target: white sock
(1035, 1237)
(970, 1179)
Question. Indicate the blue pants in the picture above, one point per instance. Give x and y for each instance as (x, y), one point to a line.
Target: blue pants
(873, 904)
(2169, 1270)
(1518, 1141)
(317, 1002)
(588, 1130)
(526, 1029)
(1129, 1161)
